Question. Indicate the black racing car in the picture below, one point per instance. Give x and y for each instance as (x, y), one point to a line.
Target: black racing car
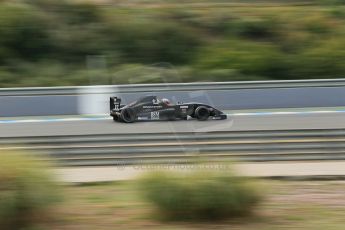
(150, 108)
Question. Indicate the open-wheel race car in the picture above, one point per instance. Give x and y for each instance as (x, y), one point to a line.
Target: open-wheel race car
(150, 108)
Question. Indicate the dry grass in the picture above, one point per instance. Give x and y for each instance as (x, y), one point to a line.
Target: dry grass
(294, 205)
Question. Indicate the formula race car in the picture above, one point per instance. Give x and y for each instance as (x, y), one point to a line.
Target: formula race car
(151, 108)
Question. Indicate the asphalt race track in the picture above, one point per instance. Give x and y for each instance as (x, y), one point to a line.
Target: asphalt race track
(243, 122)
(331, 159)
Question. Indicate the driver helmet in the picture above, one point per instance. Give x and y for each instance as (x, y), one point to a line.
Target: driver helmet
(165, 101)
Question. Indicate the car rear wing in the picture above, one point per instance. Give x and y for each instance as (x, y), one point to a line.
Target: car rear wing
(115, 103)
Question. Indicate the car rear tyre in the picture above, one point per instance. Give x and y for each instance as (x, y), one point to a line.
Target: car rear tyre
(202, 113)
(127, 115)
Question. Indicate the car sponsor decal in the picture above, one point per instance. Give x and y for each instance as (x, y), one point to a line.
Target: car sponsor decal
(184, 106)
(154, 115)
(155, 101)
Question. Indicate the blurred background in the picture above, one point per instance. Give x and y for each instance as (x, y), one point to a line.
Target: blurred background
(77, 42)
(277, 162)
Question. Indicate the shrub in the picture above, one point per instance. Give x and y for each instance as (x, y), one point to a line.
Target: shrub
(152, 42)
(246, 57)
(5, 78)
(200, 195)
(324, 60)
(255, 29)
(337, 12)
(26, 189)
(331, 2)
(318, 24)
(23, 32)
